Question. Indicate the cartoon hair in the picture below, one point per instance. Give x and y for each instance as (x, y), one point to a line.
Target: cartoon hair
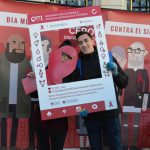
(43, 37)
(119, 50)
(140, 44)
(66, 43)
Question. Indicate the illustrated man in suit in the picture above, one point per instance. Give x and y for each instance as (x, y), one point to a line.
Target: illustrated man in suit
(136, 95)
(137, 90)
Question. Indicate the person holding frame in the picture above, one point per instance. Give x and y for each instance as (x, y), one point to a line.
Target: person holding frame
(51, 134)
(103, 121)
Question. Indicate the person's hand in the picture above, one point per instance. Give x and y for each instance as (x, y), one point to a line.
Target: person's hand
(111, 66)
(83, 113)
(31, 75)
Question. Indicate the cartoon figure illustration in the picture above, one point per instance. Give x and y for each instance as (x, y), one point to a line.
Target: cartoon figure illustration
(46, 47)
(137, 91)
(119, 53)
(136, 95)
(13, 101)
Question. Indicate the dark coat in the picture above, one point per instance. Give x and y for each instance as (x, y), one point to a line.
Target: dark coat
(91, 69)
(23, 101)
(138, 86)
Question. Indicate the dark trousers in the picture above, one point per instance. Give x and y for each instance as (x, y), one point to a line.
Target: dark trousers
(48, 141)
(49, 137)
(12, 110)
(131, 148)
(130, 129)
(31, 127)
(112, 129)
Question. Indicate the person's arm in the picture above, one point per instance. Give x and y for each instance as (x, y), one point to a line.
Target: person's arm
(120, 79)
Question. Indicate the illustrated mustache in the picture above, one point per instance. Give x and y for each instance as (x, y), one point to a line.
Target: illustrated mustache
(17, 51)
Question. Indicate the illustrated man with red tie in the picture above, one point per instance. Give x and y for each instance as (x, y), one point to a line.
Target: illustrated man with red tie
(136, 95)
(137, 90)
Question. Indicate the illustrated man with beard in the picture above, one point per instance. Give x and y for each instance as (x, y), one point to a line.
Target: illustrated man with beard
(13, 101)
(136, 95)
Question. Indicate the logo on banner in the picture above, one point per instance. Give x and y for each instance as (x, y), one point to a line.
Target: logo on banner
(49, 114)
(36, 18)
(94, 106)
(94, 11)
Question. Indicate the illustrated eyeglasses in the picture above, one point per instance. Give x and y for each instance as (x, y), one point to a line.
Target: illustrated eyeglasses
(137, 51)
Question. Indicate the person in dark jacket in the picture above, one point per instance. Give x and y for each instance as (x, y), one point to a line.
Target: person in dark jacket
(104, 121)
(51, 134)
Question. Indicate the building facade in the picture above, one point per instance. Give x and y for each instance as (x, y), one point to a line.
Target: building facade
(138, 5)
(130, 5)
(117, 4)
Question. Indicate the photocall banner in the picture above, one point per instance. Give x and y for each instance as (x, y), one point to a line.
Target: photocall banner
(59, 99)
(128, 36)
